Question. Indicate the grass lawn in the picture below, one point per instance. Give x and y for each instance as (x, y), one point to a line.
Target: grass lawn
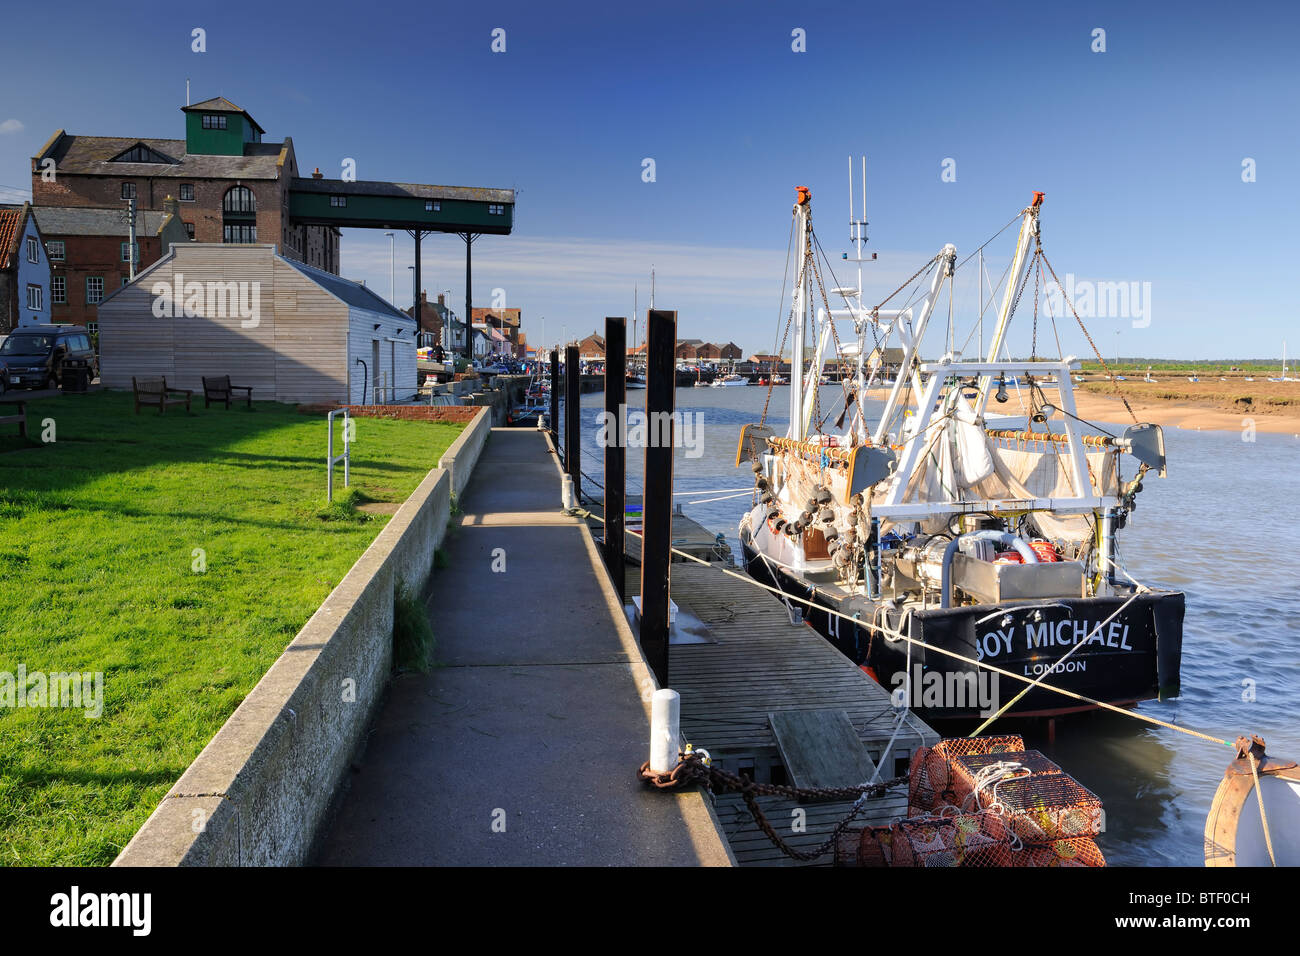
(98, 534)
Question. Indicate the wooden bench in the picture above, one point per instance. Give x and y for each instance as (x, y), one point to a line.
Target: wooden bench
(154, 391)
(20, 419)
(217, 388)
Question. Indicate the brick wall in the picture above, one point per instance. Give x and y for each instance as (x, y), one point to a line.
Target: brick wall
(94, 256)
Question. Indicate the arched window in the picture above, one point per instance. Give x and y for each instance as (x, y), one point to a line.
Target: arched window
(239, 215)
(239, 200)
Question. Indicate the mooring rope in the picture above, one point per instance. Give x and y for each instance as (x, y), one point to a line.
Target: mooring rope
(1259, 798)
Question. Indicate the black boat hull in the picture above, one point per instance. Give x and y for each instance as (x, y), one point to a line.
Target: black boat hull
(1135, 657)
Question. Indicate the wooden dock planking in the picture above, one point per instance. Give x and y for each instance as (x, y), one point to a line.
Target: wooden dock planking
(760, 664)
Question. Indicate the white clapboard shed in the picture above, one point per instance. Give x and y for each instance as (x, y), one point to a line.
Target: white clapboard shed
(292, 332)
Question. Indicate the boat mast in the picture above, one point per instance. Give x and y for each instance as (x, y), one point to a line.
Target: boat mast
(803, 223)
(858, 235)
(1028, 234)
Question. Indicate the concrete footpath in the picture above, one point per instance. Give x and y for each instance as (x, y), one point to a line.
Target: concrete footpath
(519, 748)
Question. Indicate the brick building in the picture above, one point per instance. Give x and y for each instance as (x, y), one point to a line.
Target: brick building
(89, 257)
(592, 348)
(507, 321)
(230, 187)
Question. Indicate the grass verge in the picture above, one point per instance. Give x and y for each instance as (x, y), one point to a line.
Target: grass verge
(177, 556)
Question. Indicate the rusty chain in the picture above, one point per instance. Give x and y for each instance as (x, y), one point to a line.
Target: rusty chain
(692, 769)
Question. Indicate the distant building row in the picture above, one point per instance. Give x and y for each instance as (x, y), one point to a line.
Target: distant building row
(592, 348)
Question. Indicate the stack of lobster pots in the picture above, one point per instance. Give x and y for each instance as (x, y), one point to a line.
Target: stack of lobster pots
(983, 801)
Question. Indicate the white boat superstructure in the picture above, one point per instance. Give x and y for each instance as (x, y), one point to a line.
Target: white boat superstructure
(925, 505)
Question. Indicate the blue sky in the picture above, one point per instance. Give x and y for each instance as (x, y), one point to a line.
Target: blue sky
(1139, 149)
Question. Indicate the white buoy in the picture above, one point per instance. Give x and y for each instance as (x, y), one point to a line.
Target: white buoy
(665, 730)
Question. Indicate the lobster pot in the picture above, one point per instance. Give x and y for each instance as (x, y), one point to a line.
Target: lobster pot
(866, 846)
(1079, 851)
(966, 839)
(965, 772)
(1046, 807)
(930, 773)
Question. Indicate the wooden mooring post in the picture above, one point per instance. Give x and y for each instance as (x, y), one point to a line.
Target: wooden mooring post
(657, 502)
(572, 419)
(555, 399)
(615, 448)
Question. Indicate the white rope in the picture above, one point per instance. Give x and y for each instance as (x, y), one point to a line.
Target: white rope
(705, 501)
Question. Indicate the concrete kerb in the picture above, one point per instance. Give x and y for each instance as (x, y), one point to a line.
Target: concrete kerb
(459, 459)
(696, 806)
(257, 793)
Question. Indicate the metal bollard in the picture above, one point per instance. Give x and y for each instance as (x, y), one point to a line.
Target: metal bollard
(665, 730)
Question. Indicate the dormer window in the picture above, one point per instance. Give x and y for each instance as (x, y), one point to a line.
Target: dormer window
(140, 153)
(214, 121)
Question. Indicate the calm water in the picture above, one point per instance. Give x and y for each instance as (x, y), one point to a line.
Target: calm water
(1217, 528)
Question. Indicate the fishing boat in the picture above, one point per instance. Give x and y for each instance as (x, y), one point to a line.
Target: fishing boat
(728, 381)
(923, 540)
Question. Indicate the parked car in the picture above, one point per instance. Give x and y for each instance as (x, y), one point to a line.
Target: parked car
(47, 356)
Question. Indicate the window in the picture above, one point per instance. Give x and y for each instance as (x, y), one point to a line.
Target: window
(55, 250)
(238, 232)
(92, 328)
(431, 206)
(34, 297)
(94, 290)
(189, 229)
(128, 190)
(338, 200)
(239, 199)
(140, 153)
(58, 290)
(136, 250)
(33, 250)
(214, 121)
(187, 192)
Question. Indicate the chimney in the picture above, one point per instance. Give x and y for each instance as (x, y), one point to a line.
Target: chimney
(318, 174)
(442, 300)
